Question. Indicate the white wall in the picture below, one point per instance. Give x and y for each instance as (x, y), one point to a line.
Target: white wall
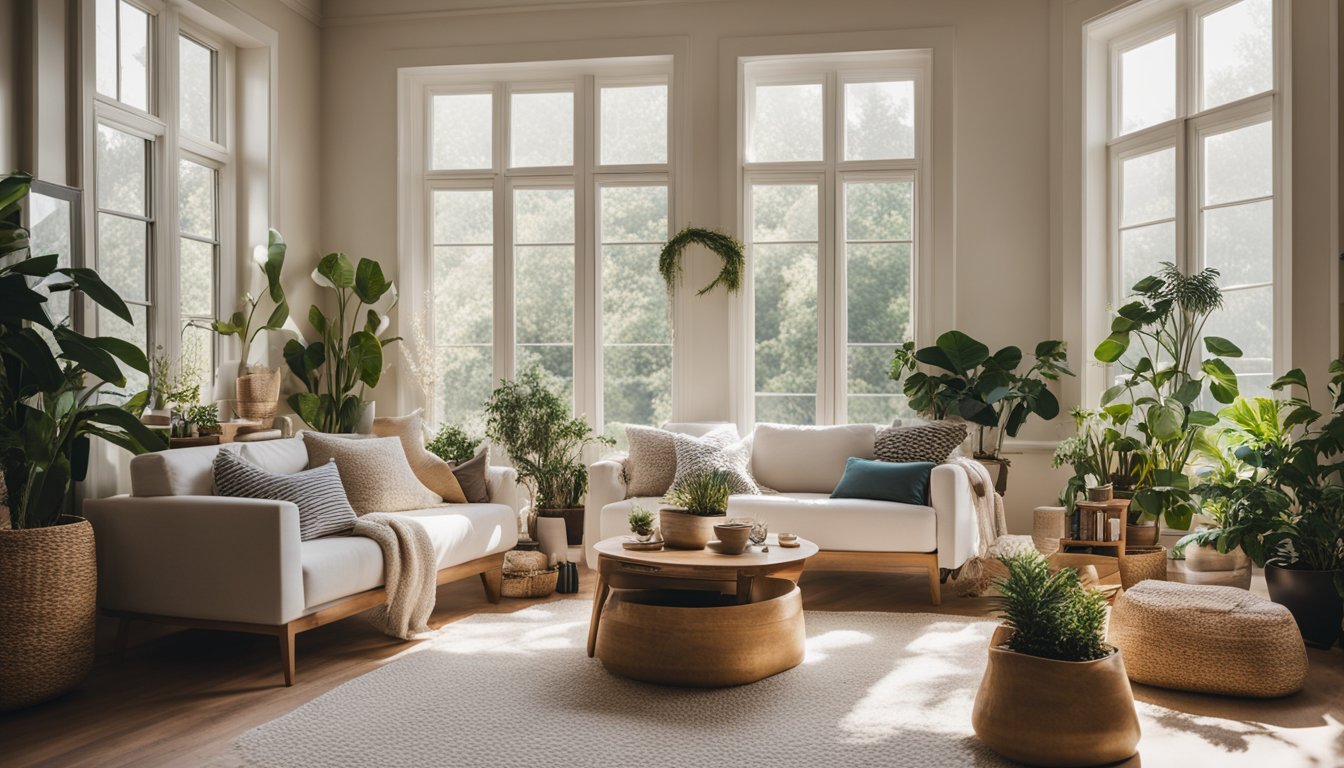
(1001, 147)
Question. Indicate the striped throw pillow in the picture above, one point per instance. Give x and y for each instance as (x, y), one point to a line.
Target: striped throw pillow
(318, 493)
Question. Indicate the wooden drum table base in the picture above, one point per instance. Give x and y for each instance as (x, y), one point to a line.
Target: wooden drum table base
(702, 638)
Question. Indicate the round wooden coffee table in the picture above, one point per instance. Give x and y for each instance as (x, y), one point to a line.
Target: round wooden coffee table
(695, 617)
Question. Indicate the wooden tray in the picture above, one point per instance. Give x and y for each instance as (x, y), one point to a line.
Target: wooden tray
(643, 546)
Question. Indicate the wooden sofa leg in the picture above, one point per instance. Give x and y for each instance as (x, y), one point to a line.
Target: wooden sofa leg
(935, 582)
(493, 581)
(286, 636)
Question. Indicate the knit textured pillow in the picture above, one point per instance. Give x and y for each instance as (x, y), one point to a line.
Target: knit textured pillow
(652, 465)
(317, 492)
(933, 441)
(434, 473)
(374, 471)
(718, 450)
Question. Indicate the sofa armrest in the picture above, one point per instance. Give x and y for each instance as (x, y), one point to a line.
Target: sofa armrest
(200, 557)
(606, 485)
(502, 483)
(958, 531)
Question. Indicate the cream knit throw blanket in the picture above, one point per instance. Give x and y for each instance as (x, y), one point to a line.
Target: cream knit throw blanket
(989, 518)
(409, 574)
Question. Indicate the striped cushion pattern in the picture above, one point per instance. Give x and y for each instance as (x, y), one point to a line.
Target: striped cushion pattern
(318, 493)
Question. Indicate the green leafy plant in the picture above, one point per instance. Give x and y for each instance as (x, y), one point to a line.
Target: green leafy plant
(1154, 341)
(640, 520)
(243, 323)
(981, 388)
(726, 246)
(704, 494)
(534, 426)
(1100, 452)
(349, 356)
(452, 443)
(1052, 615)
(205, 418)
(170, 385)
(52, 378)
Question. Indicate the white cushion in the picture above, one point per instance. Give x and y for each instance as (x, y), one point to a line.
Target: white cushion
(278, 456)
(697, 428)
(190, 471)
(339, 566)
(857, 525)
(789, 458)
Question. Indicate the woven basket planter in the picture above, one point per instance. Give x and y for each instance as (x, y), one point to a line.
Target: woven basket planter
(530, 584)
(258, 396)
(48, 603)
(1141, 563)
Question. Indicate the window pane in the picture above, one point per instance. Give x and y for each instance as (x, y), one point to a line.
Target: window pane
(542, 129)
(634, 215)
(879, 120)
(1239, 242)
(460, 128)
(1237, 52)
(1239, 164)
(634, 299)
(196, 81)
(1142, 249)
(137, 334)
(196, 188)
(466, 378)
(105, 44)
(786, 321)
(463, 295)
(543, 216)
(1148, 84)
(785, 124)
(121, 171)
(1148, 187)
(123, 248)
(879, 211)
(636, 385)
(867, 368)
(878, 292)
(786, 409)
(198, 354)
(49, 232)
(1247, 319)
(634, 124)
(464, 217)
(198, 277)
(134, 57)
(784, 213)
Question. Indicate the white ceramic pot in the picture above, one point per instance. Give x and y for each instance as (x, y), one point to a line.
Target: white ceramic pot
(552, 540)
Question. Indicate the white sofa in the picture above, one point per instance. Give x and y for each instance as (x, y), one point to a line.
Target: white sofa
(802, 466)
(171, 551)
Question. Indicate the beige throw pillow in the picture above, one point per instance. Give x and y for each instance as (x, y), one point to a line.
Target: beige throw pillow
(653, 461)
(434, 473)
(374, 471)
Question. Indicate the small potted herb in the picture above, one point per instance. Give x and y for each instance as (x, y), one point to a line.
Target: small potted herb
(693, 508)
(641, 523)
(1050, 655)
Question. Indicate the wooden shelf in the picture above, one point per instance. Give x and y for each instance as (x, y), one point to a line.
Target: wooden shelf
(1090, 543)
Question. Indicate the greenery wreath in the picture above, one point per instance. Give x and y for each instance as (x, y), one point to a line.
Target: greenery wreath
(726, 246)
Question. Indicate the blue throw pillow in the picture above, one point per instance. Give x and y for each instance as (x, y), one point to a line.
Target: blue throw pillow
(906, 482)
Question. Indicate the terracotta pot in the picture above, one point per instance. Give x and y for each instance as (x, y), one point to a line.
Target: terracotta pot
(573, 522)
(682, 530)
(1312, 599)
(258, 396)
(1102, 726)
(1142, 535)
(48, 603)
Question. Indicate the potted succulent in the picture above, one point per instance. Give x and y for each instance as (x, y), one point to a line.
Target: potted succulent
(694, 507)
(349, 357)
(533, 425)
(1050, 655)
(1285, 507)
(641, 523)
(49, 410)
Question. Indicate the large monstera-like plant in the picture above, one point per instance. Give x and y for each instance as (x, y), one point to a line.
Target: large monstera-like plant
(349, 356)
(1155, 343)
(986, 390)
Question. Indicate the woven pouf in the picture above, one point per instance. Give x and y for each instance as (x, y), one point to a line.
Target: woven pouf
(1225, 640)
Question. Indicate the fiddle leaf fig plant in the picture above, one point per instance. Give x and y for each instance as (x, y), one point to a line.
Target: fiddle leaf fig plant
(348, 358)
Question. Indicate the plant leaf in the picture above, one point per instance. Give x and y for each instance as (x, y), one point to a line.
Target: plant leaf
(336, 270)
(1112, 347)
(1222, 381)
(1220, 347)
(370, 285)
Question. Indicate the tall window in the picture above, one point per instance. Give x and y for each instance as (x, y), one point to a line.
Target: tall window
(158, 235)
(1194, 176)
(834, 153)
(546, 195)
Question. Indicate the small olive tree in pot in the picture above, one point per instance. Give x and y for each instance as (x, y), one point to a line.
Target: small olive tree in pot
(545, 442)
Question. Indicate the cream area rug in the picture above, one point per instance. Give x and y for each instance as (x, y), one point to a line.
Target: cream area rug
(877, 689)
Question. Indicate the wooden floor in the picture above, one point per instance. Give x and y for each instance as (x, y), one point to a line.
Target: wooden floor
(182, 697)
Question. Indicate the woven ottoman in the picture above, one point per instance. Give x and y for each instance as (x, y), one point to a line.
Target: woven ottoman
(1208, 639)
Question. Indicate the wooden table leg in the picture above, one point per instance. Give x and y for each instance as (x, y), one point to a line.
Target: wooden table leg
(600, 592)
(745, 583)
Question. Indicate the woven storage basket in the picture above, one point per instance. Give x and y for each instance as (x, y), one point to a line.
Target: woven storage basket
(258, 396)
(1141, 563)
(48, 603)
(530, 583)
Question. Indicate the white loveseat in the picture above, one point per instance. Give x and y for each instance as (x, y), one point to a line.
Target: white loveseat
(802, 465)
(171, 551)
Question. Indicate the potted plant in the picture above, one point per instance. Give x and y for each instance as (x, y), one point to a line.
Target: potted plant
(349, 357)
(985, 390)
(641, 523)
(1285, 507)
(694, 507)
(257, 390)
(452, 444)
(545, 443)
(1154, 343)
(49, 410)
(1050, 655)
(1219, 473)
